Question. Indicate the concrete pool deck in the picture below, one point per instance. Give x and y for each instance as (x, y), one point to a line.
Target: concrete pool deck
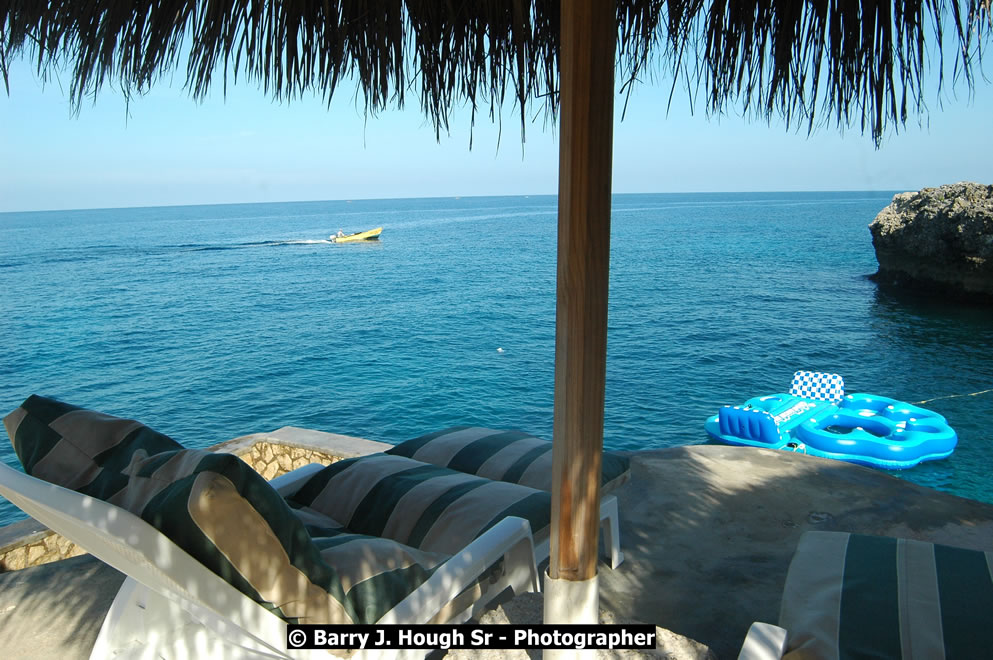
(707, 532)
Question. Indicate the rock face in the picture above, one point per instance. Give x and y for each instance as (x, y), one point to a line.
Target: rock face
(938, 240)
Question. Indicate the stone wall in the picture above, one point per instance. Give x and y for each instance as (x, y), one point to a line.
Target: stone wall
(272, 459)
(29, 543)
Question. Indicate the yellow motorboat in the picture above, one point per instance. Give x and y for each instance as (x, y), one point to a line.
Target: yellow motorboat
(370, 235)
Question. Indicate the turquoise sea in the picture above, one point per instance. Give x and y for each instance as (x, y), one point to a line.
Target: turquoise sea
(210, 322)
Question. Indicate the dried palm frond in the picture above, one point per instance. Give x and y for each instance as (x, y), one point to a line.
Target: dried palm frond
(860, 62)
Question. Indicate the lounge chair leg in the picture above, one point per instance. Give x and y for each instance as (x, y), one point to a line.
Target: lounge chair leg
(763, 642)
(142, 623)
(123, 625)
(519, 556)
(610, 529)
(520, 573)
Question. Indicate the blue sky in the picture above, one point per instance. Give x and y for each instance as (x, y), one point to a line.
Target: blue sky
(168, 149)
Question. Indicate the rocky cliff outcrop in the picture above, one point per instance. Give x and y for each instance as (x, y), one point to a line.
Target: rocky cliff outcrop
(938, 240)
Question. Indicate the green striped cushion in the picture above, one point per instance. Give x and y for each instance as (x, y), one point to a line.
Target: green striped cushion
(421, 505)
(352, 555)
(80, 449)
(512, 456)
(849, 596)
(298, 563)
(376, 573)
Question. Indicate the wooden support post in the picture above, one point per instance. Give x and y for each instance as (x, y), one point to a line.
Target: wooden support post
(589, 33)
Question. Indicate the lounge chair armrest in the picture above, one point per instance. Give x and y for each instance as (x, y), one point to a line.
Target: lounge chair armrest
(764, 641)
(289, 483)
(509, 539)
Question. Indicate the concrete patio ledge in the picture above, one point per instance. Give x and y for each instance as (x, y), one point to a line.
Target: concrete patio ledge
(342, 446)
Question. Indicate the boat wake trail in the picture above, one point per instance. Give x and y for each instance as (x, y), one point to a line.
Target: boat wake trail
(256, 244)
(302, 241)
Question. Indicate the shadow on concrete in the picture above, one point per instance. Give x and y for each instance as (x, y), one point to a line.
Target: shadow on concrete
(55, 610)
(708, 532)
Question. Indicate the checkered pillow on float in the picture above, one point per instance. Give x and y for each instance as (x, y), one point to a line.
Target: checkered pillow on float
(817, 385)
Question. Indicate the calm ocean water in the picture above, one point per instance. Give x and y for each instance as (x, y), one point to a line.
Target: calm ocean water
(210, 322)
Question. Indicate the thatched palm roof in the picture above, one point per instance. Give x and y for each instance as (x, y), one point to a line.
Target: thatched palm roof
(848, 61)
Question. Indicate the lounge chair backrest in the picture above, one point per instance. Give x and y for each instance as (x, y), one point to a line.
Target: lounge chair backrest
(511, 456)
(221, 513)
(817, 385)
(749, 424)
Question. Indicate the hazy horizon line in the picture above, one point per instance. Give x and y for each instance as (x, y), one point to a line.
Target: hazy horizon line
(453, 197)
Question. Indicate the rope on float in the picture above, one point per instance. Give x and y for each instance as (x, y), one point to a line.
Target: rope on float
(952, 396)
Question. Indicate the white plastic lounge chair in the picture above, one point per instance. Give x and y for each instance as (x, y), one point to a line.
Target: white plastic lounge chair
(519, 458)
(429, 507)
(217, 561)
(173, 606)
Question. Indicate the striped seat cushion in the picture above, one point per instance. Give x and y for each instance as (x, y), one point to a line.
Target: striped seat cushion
(511, 456)
(849, 596)
(424, 506)
(375, 573)
(300, 564)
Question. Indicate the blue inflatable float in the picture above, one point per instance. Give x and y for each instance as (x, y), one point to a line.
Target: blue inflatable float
(819, 419)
